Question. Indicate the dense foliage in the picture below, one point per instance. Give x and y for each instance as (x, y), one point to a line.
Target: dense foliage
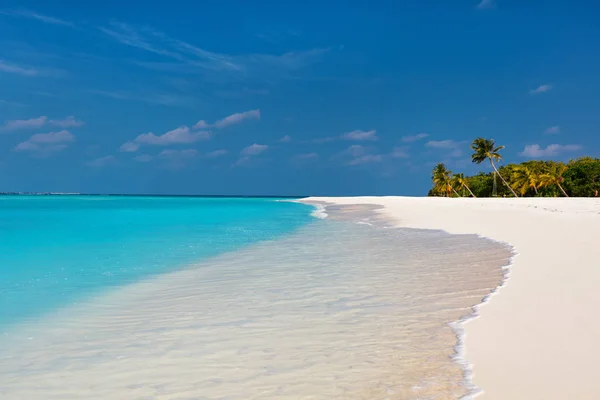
(578, 178)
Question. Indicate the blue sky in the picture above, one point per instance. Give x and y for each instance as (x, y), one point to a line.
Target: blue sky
(265, 97)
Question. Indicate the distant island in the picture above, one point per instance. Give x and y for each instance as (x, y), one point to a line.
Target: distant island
(577, 178)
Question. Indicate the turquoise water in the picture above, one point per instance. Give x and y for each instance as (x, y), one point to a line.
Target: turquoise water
(58, 250)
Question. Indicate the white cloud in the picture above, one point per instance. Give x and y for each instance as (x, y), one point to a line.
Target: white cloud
(143, 158)
(414, 138)
(254, 149)
(17, 69)
(46, 142)
(552, 130)
(237, 118)
(129, 147)
(33, 123)
(202, 124)
(442, 144)
(359, 135)
(285, 139)
(486, 4)
(102, 162)
(179, 135)
(448, 144)
(535, 150)
(400, 152)
(25, 123)
(355, 150)
(229, 120)
(216, 154)
(541, 89)
(69, 122)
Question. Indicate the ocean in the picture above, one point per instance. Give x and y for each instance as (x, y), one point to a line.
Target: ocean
(228, 298)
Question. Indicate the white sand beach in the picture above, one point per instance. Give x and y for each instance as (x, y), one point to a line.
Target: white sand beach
(538, 336)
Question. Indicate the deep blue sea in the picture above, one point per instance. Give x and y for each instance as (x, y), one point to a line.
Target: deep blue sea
(58, 250)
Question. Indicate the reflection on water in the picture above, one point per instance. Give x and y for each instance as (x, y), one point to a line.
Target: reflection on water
(338, 309)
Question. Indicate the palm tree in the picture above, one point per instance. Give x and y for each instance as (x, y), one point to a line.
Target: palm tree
(442, 180)
(486, 149)
(525, 178)
(462, 182)
(554, 176)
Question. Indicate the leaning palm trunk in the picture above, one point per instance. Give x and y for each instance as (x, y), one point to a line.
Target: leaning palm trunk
(505, 183)
(562, 190)
(469, 189)
(455, 192)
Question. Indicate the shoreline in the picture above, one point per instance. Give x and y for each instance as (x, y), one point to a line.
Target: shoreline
(512, 345)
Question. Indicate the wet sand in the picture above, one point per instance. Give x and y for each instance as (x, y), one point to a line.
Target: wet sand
(538, 337)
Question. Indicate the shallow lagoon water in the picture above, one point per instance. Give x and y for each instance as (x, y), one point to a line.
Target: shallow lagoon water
(344, 307)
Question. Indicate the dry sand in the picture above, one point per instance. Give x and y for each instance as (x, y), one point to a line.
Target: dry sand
(538, 337)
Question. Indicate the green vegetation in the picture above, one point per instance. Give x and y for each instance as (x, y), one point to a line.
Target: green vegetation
(578, 178)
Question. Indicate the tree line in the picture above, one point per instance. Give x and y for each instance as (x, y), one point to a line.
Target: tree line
(577, 178)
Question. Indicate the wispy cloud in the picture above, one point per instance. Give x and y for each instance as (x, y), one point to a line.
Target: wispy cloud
(101, 162)
(187, 58)
(39, 17)
(535, 150)
(358, 155)
(178, 154)
(216, 153)
(414, 138)
(46, 143)
(486, 4)
(324, 139)
(17, 69)
(285, 139)
(366, 159)
(232, 119)
(11, 103)
(541, 89)
(163, 99)
(442, 144)
(359, 135)
(356, 135)
(38, 122)
(553, 130)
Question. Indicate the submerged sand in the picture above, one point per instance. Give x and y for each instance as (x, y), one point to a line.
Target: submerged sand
(344, 308)
(539, 336)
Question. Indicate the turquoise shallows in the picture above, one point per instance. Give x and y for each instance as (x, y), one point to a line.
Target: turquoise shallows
(57, 250)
